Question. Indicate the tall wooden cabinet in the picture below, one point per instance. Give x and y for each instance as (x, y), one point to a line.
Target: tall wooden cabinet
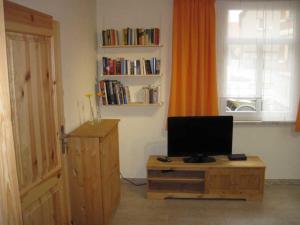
(94, 172)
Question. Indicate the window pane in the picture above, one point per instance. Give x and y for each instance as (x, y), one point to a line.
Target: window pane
(241, 71)
(260, 24)
(277, 77)
(241, 105)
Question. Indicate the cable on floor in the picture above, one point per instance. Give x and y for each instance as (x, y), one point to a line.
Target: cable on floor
(132, 182)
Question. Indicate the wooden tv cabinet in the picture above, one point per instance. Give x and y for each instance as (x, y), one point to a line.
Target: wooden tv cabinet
(222, 179)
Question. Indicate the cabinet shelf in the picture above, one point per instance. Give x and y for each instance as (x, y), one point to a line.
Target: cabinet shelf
(175, 193)
(176, 179)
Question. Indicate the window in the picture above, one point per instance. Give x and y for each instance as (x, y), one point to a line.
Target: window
(258, 52)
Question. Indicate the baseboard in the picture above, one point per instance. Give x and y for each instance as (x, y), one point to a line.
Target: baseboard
(282, 181)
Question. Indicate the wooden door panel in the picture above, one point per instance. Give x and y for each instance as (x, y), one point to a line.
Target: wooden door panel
(110, 173)
(107, 200)
(248, 180)
(115, 149)
(115, 189)
(45, 209)
(235, 181)
(219, 181)
(109, 150)
(32, 106)
(85, 181)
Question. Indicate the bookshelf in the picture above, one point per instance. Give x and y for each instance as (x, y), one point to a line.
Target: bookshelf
(123, 69)
(130, 76)
(133, 104)
(132, 46)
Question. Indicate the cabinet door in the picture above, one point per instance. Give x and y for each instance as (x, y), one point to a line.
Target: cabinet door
(111, 196)
(109, 150)
(219, 181)
(237, 181)
(110, 172)
(115, 188)
(248, 180)
(85, 181)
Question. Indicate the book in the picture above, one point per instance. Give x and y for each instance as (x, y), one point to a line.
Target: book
(102, 90)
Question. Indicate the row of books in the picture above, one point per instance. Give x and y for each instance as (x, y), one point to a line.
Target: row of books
(131, 36)
(121, 66)
(113, 92)
(151, 94)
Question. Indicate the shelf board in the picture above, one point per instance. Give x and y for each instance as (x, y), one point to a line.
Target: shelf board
(175, 192)
(136, 75)
(177, 179)
(131, 46)
(135, 104)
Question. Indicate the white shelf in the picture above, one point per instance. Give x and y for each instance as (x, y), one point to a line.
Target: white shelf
(131, 46)
(134, 76)
(135, 104)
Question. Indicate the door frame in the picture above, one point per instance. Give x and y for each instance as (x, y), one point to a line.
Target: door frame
(10, 205)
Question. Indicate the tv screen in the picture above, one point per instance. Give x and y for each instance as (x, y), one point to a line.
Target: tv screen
(207, 135)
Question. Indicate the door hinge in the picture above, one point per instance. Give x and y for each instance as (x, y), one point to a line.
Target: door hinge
(63, 139)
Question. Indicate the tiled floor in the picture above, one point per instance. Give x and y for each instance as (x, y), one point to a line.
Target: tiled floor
(281, 206)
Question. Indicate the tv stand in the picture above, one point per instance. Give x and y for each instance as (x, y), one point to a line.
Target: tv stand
(199, 159)
(222, 179)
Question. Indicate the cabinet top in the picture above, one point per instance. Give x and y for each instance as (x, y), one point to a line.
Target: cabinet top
(221, 162)
(94, 129)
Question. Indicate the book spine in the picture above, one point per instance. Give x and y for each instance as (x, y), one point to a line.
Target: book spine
(112, 93)
(103, 38)
(158, 66)
(127, 94)
(117, 37)
(128, 67)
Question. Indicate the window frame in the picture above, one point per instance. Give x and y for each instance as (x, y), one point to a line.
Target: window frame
(259, 114)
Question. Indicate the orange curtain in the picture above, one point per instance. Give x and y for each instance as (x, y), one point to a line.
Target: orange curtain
(194, 84)
(298, 119)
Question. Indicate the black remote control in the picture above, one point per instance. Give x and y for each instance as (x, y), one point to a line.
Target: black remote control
(163, 159)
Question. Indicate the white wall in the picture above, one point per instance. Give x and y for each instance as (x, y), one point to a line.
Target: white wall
(142, 130)
(77, 20)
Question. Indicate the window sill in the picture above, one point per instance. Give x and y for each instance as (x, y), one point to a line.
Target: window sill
(238, 122)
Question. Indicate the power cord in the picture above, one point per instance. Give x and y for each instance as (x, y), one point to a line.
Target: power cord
(131, 182)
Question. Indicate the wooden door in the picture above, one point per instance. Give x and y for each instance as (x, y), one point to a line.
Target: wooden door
(36, 114)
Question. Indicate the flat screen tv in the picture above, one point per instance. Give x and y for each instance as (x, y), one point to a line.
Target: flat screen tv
(200, 136)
